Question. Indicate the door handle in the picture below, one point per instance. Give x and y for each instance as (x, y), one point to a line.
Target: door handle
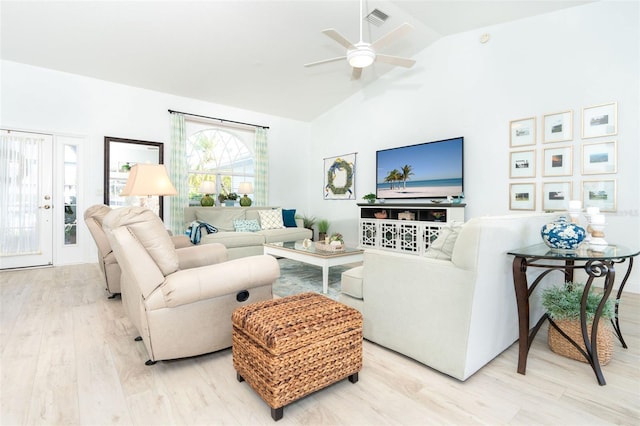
(46, 207)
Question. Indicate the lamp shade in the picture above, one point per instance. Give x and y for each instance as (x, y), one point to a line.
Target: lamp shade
(148, 179)
(207, 187)
(245, 188)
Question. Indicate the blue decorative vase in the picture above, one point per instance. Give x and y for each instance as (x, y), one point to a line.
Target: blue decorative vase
(562, 234)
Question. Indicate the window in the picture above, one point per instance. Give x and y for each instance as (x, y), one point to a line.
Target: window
(220, 156)
(70, 193)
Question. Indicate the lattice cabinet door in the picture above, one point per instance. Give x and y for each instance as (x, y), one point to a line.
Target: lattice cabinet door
(429, 234)
(408, 237)
(368, 232)
(388, 236)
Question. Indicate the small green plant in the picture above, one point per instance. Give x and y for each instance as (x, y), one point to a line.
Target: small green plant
(370, 197)
(232, 196)
(323, 226)
(307, 221)
(562, 302)
(336, 236)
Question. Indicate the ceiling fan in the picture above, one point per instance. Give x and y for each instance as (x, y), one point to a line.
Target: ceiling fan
(362, 54)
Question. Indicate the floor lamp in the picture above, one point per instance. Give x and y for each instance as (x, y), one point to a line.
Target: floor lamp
(147, 180)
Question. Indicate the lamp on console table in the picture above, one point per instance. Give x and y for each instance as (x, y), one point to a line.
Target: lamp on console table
(147, 180)
(245, 188)
(207, 188)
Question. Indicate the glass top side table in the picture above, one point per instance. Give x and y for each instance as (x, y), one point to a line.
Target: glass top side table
(597, 264)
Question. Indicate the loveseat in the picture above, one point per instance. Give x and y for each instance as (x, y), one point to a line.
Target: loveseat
(456, 310)
(229, 223)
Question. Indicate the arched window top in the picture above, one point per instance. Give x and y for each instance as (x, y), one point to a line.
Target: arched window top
(219, 150)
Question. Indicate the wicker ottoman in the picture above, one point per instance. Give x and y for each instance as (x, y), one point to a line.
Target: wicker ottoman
(288, 348)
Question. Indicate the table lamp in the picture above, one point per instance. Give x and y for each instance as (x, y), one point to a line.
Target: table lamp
(148, 180)
(245, 188)
(207, 188)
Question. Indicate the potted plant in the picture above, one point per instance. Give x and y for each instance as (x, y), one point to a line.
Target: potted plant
(370, 197)
(231, 199)
(563, 307)
(308, 222)
(323, 228)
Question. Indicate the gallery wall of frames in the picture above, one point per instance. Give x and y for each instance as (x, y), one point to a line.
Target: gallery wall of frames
(545, 165)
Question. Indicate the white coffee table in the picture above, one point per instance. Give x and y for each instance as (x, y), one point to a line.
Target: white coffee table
(313, 256)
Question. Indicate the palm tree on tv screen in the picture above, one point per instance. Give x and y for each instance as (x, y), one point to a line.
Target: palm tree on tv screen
(406, 172)
(393, 176)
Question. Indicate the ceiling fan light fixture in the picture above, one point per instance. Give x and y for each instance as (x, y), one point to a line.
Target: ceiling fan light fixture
(361, 57)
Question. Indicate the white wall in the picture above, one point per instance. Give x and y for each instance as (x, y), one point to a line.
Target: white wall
(37, 99)
(570, 59)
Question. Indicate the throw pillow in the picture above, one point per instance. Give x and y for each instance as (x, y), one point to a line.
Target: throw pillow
(250, 225)
(271, 219)
(289, 218)
(442, 247)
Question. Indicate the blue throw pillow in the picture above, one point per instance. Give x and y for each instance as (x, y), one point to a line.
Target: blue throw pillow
(246, 225)
(289, 218)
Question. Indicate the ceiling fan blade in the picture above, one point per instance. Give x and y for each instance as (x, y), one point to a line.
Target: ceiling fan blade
(357, 72)
(338, 37)
(325, 61)
(395, 60)
(392, 36)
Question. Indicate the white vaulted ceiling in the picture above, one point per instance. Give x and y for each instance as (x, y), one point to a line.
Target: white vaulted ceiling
(244, 54)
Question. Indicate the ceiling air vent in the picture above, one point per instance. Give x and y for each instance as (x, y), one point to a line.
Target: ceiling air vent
(377, 17)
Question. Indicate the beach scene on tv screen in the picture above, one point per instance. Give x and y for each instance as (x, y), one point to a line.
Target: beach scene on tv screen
(430, 170)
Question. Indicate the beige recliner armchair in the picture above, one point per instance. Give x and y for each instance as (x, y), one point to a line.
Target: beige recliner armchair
(181, 300)
(93, 217)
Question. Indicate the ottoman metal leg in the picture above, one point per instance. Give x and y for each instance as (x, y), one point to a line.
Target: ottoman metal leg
(353, 378)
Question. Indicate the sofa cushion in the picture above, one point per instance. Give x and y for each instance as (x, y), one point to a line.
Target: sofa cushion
(221, 218)
(285, 234)
(235, 239)
(271, 219)
(442, 247)
(240, 225)
(289, 218)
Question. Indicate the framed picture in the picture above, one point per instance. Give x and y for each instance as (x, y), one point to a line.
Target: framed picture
(558, 161)
(339, 177)
(599, 158)
(558, 127)
(556, 195)
(600, 120)
(522, 164)
(523, 132)
(599, 193)
(522, 196)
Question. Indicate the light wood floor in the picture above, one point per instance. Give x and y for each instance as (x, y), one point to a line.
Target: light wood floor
(68, 357)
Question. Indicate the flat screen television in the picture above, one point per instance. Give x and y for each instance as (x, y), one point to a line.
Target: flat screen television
(426, 170)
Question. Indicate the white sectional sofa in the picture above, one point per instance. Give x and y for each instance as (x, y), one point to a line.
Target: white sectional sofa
(243, 243)
(454, 315)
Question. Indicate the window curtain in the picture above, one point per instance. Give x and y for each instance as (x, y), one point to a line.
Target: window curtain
(178, 173)
(261, 163)
(19, 195)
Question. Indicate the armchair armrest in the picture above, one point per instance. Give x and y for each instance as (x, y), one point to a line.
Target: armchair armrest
(201, 255)
(191, 285)
(181, 241)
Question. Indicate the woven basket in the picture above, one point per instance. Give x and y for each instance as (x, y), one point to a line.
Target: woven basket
(328, 247)
(561, 346)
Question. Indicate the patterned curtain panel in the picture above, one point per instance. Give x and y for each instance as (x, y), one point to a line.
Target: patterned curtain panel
(178, 172)
(261, 163)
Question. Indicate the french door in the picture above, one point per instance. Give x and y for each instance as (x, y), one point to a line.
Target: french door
(26, 185)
